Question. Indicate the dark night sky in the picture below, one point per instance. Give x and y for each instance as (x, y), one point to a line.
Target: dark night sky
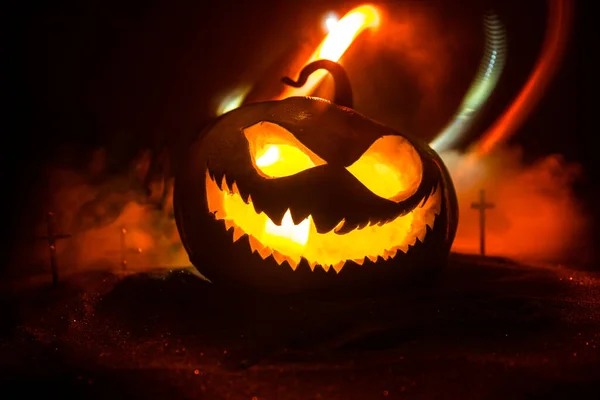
(134, 74)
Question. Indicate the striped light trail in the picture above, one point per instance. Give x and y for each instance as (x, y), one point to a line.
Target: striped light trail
(487, 77)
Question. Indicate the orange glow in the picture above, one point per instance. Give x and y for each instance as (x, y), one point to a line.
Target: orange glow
(290, 243)
(98, 214)
(283, 160)
(288, 230)
(391, 168)
(341, 35)
(275, 152)
(559, 23)
(335, 44)
(537, 216)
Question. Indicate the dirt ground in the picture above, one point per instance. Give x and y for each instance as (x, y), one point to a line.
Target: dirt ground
(488, 329)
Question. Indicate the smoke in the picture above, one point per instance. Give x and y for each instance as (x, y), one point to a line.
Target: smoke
(536, 215)
(111, 218)
(413, 72)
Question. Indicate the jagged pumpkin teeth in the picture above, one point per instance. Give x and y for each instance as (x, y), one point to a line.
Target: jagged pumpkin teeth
(338, 267)
(264, 252)
(280, 258)
(322, 163)
(234, 189)
(391, 253)
(254, 243)
(421, 233)
(223, 185)
(237, 233)
(293, 263)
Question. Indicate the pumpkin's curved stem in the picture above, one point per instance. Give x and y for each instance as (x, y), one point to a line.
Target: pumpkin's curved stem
(343, 90)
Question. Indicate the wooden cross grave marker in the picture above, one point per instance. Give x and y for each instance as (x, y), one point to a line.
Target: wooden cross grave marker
(482, 206)
(52, 237)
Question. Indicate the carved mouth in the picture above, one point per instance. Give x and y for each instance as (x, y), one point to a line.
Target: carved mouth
(290, 242)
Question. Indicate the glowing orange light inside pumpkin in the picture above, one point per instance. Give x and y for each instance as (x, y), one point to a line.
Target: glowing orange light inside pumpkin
(391, 168)
(291, 242)
(270, 156)
(275, 152)
(277, 161)
(288, 230)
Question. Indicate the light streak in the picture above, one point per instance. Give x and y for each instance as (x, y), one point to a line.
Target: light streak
(487, 77)
(341, 35)
(335, 44)
(557, 32)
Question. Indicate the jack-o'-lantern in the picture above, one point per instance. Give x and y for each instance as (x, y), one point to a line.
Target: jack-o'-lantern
(305, 193)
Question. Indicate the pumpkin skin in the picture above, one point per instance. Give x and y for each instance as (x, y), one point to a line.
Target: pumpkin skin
(346, 228)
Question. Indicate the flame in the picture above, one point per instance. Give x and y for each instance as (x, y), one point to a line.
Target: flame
(279, 160)
(288, 230)
(270, 156)
(340, 37)
(276, 152)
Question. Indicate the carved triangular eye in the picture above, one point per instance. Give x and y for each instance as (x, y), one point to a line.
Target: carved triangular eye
(391, 168)
(276, 153)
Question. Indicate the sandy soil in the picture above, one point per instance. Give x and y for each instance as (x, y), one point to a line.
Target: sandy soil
(489, 329)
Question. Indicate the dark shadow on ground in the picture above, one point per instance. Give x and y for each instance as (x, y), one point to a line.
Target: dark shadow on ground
(488, 328)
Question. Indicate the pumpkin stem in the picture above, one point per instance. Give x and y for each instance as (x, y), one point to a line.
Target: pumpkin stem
(343, 90)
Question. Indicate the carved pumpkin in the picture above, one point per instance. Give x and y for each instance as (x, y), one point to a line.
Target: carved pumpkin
(303, 192)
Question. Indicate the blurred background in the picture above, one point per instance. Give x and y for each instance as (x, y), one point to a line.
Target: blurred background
(104, 95)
